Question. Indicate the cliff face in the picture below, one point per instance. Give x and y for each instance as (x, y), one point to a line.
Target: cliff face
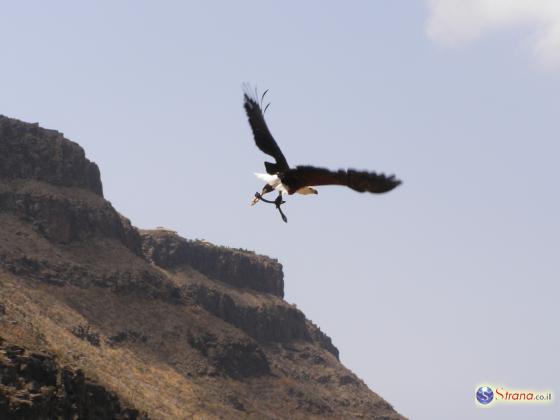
(28, 151)
(112, 320)
(232, 266)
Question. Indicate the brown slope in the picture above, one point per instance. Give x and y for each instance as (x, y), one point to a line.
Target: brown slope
(170, 327)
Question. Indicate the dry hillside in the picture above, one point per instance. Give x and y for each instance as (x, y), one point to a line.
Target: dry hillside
(100, 320)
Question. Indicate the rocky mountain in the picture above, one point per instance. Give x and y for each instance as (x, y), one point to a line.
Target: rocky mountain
(101, 320)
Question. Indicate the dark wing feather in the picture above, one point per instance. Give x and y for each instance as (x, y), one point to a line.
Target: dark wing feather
(263, 138)
(361, 181)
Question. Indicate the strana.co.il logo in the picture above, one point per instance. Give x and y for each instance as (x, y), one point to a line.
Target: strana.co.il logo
(487, 395)
(484, 395)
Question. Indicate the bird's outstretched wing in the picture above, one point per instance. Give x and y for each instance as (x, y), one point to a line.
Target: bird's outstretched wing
(263, 138)
(361, 181)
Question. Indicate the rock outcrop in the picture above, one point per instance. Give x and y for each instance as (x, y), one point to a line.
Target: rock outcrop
(100, 315)
(236, 267)
(34, 386)
(28, 151)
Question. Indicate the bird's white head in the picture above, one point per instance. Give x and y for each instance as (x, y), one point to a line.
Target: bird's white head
(307, 191)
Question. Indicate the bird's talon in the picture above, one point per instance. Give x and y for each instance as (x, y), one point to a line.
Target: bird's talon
(256, 199)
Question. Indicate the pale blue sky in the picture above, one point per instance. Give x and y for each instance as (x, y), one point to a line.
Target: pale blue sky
(449, 281)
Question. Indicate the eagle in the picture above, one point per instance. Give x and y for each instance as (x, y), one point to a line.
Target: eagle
(302, 179)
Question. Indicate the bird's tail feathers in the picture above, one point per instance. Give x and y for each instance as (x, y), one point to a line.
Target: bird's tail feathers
(268, 178)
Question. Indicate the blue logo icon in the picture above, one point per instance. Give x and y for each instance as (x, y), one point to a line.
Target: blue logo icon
(484, 395)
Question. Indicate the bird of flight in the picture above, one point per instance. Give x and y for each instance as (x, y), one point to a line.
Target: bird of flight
(301, 179)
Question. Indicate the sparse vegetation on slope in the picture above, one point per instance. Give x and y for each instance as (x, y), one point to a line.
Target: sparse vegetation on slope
(164, 326)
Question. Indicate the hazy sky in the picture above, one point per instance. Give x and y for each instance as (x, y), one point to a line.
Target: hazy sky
(449, 281)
